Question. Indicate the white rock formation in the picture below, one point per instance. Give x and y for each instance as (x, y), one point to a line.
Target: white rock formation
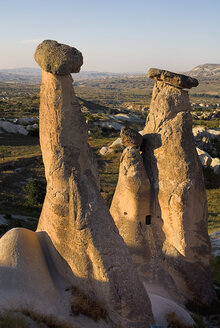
(204, 157)
(32, 127)
(198, 130)
(214, 133)
(115, 143)
(215, 164)
(109, 125)
(103, 151)
(27, 120)
(215, 241)
(9, 127)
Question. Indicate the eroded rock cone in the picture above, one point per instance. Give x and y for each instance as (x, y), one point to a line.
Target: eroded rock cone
(130, 206)
(179, 220)
(75, 216)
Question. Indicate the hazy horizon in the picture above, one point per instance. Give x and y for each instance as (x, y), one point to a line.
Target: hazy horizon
(120, 36)
(104, 72)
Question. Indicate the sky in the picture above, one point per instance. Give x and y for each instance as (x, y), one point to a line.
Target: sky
(114, 35)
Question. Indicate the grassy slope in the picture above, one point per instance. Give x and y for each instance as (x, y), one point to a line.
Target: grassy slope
(213, 197)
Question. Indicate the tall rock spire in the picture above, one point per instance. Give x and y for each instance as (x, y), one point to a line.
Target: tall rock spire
(179, 218)
(74, 215)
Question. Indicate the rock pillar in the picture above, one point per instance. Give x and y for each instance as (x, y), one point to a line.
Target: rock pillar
(179, 217)
(74, 215)
(130, 206)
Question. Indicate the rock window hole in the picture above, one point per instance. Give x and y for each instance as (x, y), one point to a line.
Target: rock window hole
(148, 219)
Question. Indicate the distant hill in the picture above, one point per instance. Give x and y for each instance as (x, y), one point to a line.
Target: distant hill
(33, 75)
(22, 75)
(87, 75)
(206, 72)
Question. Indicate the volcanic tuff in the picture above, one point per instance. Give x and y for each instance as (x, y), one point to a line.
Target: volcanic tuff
(179, 208)
(159, 208)
(74, 214)
(76, 234)
(170, 222)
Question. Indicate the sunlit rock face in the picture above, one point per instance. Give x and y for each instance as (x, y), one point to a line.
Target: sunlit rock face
(160, 205)
(131, 205)
(179, 206)
(75, 216)
(77, 243)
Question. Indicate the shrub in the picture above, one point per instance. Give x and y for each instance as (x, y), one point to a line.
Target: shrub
(12, 320)
(7, 216)
(42, 320)
(35, 191)
(174, 322)
(83, 304)
(33, 132)
(197, 307)
(199, 321)
(212, 180)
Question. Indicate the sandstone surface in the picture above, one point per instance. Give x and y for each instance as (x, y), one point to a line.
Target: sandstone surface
(131, 206)
(25, 279)
(30, 281)
(77, 243)
(57, 58)
(215, 164)
(130, 137)
(179, 207)
(75, 216)
(204, 157)
(175, 79)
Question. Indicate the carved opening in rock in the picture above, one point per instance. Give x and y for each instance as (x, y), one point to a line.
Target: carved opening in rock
(148, 219)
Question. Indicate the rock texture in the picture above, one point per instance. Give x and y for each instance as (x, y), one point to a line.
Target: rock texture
(9, 127)
(204, 157)
(131, 204)
(75, 216)
(57, 58)
(76, 243)
(25, 278)
(177, 80)
(179, 207)
(130, 137)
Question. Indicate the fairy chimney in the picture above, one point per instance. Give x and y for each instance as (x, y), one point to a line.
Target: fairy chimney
(179, 206)
(74, 214)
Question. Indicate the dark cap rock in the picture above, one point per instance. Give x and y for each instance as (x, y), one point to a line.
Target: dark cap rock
(177, 80)
(130, 138)
(58, 58)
